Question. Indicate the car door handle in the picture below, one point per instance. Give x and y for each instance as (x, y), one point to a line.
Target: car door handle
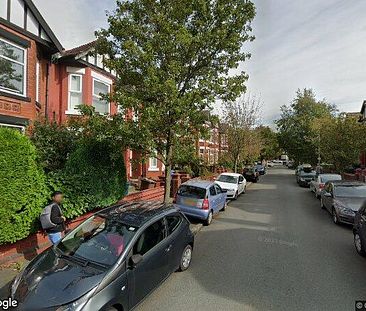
(168, 248)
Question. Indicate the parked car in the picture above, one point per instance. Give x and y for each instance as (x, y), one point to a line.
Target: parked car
(304, 178)
(359, 230)
(109, 262)
(251, 174)
(261, 169)
(234, 184)
(343, 199)
(270, 164)
(307, 168)
(201, 199)
(317, 184)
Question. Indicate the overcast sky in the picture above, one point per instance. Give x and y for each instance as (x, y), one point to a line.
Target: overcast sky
(303, 43)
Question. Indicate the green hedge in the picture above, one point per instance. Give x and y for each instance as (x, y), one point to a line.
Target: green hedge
(22, 186)
(94, 176)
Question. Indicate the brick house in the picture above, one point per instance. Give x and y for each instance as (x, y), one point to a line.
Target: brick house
(26, 47)
(211, 149)
(39, 78)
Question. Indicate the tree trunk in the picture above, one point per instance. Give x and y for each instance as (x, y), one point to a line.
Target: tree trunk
(168, 170)
(236, 164)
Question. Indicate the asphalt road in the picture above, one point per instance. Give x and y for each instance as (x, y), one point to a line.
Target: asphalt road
(272, 249)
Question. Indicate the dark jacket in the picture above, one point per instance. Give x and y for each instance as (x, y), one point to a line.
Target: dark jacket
(56, 219)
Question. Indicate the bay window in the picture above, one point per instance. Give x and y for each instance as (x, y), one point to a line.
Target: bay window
(75, 92)
(12, 68)
(100, 104)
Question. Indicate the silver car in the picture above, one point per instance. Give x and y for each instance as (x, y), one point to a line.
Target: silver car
(317, 184)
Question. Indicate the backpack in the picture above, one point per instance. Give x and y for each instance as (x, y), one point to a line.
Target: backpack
(45, 217)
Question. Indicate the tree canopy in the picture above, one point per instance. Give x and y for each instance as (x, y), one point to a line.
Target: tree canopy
(295, 126)
(172, 60)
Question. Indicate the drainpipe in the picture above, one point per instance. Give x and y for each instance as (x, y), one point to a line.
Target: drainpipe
(47, 88)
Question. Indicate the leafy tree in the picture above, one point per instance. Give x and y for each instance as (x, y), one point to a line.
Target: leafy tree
(241, 118)
(340, 141)
(270, 148)
(173, 59)
(295, 132)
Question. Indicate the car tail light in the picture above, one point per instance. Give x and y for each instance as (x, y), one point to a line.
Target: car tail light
(321, 186)
(206, 204)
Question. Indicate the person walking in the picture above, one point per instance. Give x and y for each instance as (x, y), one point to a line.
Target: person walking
(52, 219)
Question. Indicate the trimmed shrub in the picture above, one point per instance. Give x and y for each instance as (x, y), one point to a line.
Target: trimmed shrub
(22, 186)
(94, 176)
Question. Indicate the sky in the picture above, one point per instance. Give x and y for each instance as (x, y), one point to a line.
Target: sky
(303, 43)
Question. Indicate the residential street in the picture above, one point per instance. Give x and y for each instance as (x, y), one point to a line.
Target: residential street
(273, 249)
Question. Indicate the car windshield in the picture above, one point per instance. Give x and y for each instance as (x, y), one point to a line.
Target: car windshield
(351, 191)
(326, 178)
(307, 174)
(98, 239)
(228, 178)
(192, 192)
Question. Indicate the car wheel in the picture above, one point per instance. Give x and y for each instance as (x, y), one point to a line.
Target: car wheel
(321, 203)
(335, 217)
(236, 195)
(224, 207)
(209, 219)
(358, 245)
(186, 259)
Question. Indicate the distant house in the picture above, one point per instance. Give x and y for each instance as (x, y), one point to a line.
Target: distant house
(26, 47)
(363, 112)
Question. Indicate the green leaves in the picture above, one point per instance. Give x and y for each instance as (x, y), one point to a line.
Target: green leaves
(296, 134)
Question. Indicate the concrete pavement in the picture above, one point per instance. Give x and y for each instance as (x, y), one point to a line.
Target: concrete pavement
(273, 249)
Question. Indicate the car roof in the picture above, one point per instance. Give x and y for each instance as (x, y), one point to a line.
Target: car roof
(200, 183)
(231, 174)
(136, 214)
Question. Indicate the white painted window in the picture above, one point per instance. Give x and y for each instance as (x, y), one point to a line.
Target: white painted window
(13, 64)
(75, 92)
(37, 81)
(153, 164)
(100, 104)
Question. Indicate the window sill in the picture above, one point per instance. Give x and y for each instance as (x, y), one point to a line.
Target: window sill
(73, 112)
(153, 169)
(14, 96)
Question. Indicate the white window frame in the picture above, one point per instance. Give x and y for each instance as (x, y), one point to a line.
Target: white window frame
(153, 164)
(97, 95)
(71, 110)
(20, 127)
(37, 80)
(24, 94)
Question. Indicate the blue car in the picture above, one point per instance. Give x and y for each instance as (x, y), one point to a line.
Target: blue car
(201, 199)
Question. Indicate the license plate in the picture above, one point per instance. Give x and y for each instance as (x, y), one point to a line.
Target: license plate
(190, 202)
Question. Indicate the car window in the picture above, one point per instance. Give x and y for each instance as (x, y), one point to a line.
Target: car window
(192, 192)
(173, 222)
(98, 239)
(241, 178)
(212, 190)
(150, 238)
(218, 189)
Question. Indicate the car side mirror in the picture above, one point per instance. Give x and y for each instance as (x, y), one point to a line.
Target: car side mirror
(240, 182)
(135, 260)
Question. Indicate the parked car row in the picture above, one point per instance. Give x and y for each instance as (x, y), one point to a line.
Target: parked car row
(203, 199)
(344, 200)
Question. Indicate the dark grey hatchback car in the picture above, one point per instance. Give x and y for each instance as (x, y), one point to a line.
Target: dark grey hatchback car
(109, 262)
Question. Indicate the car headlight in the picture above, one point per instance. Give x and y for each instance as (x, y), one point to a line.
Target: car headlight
(302, 179)
(79, 304)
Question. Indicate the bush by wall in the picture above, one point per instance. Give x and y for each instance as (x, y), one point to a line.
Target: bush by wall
(94, 176)
(23, 191)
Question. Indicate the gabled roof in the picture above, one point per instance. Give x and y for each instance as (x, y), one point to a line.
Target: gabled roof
(32, 25)
(82, 49)
(31, 6)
